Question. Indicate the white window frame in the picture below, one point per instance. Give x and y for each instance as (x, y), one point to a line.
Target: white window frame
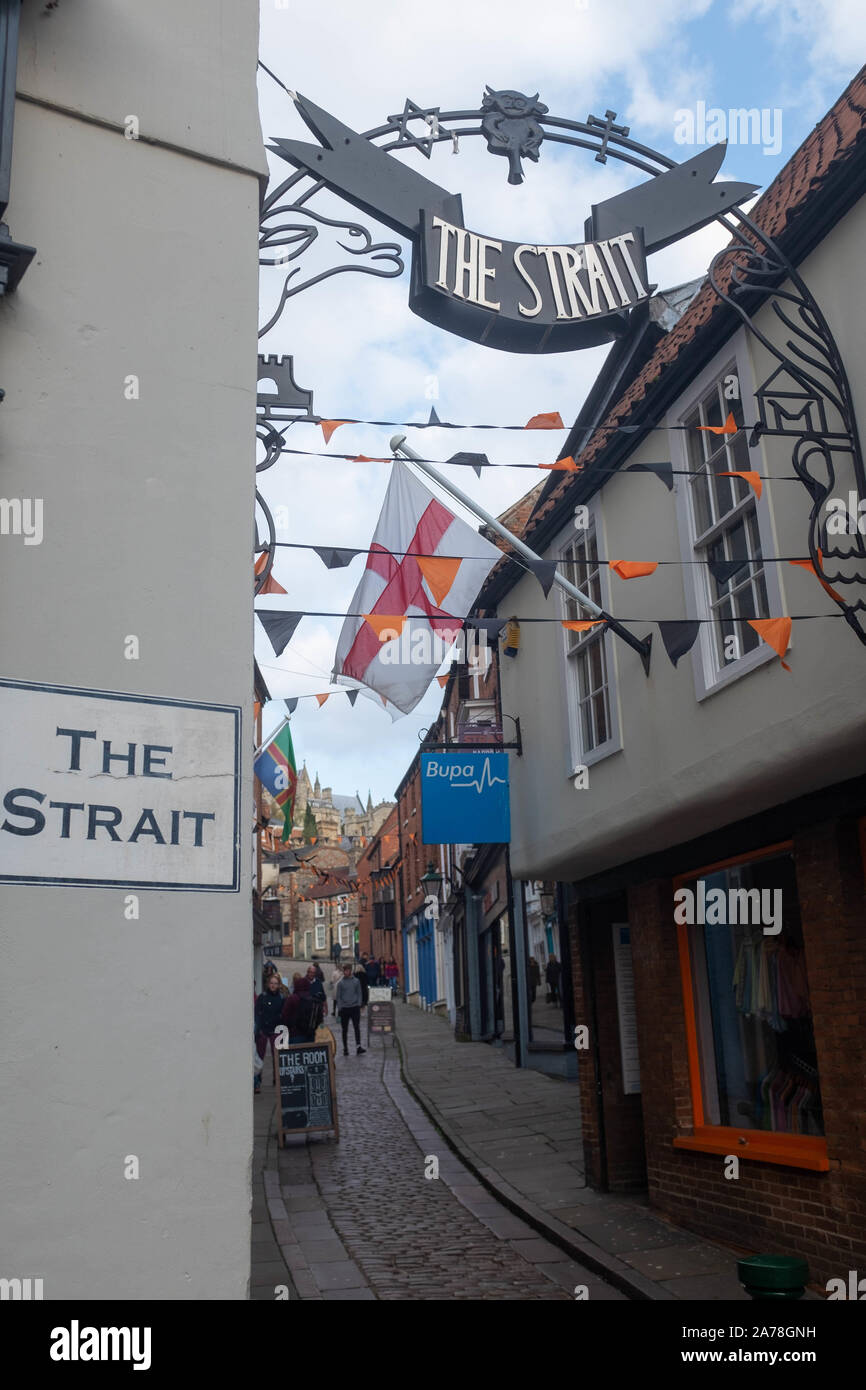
(320, 909)
(708, 677)
(345, 934)
(321, 937)
(613, 743)
(342, 907)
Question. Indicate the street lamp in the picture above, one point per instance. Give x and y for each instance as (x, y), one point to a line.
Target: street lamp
(431, 883)
(432, 878)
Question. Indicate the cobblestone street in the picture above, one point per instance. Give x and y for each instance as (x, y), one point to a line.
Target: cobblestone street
(358, 1219)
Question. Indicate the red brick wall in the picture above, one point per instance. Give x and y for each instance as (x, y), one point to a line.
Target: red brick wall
(769, 1208)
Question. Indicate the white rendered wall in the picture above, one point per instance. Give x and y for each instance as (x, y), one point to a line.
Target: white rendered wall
(128, 1037)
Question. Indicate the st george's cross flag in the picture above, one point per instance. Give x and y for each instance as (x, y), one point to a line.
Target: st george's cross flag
(424, 571)
(275, 768)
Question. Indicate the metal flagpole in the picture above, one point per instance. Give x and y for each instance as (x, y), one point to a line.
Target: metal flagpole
(270, 738)
(399, 446)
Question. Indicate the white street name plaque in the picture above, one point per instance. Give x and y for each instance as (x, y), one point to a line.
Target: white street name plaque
(104, 789)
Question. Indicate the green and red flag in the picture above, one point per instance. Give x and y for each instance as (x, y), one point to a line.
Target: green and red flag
(274, 765)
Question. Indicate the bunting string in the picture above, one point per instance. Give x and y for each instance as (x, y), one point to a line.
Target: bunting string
(422, 555)
(552, 421)
(478, 461)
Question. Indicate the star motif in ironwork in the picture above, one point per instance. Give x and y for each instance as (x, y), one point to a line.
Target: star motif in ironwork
(405, 137)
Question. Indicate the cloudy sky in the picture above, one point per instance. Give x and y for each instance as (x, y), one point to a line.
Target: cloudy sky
(363, 353)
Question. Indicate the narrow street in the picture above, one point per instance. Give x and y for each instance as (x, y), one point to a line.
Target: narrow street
(358, 1219)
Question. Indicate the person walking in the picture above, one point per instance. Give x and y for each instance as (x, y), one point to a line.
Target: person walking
(267, 1015)
(361, 977)
(552, 974)
(534, 978)
(392, 974)
(317, 987)
(301, 1012)
(372, 970)
(336, 952)
(336, 977)
(349, 996)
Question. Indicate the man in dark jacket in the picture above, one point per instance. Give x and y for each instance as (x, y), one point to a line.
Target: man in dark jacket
(552, 974)
(361, 977)
(372, 969)
(301, 1012)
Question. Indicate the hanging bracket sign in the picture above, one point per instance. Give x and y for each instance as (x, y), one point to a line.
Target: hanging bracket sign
(519, 297)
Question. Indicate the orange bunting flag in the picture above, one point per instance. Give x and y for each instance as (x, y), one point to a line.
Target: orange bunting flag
(807, 565)
(313, 839)
(753, 479)
(257, 708)
(776, 632)
(566, 465)
(328, 427)
(439, 572)
(551, 421)
(443, 680)
(386, 626)
(271, 586)
(363, 458)
(581, 624)
(322, 698)
(729, 427)
(633, 569)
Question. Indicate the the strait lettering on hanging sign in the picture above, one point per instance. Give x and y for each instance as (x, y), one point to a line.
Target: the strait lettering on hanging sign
(521, 297)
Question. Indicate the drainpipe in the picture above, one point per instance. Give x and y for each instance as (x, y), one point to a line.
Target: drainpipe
(519, 992)
(473, 986)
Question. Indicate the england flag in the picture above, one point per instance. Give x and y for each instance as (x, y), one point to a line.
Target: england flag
(424, 571)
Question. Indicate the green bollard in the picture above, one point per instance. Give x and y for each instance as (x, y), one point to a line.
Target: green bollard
(773, 1276)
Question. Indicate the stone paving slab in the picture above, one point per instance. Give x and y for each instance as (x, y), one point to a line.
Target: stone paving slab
(521, 1136)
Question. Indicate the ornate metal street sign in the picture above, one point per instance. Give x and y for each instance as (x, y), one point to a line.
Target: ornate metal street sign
(519, 297)
(553, 298)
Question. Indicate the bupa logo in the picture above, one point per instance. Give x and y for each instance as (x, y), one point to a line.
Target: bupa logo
(20, 1289)
(465, 775)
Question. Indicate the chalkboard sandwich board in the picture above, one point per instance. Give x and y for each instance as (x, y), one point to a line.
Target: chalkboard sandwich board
(380, 1015)
(304, 1074)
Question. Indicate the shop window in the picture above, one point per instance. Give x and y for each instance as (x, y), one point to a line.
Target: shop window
(588, 667)
(753, 1061)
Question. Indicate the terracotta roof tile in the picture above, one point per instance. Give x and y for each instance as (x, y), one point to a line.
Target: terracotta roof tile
(832, 140)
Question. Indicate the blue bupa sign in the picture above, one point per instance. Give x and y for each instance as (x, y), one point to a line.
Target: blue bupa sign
(464, 798)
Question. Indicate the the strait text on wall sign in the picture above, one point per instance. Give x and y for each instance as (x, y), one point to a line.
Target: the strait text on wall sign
(111, 790)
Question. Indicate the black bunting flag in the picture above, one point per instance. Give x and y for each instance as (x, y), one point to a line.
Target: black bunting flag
(544, 570)
(723, 570)
(279, 626)
(478, 461)
(334, 558)
(665, 471)
(679, 637)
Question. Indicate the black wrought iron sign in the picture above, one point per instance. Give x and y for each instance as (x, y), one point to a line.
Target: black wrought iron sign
(539, 298)
(519, 297)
